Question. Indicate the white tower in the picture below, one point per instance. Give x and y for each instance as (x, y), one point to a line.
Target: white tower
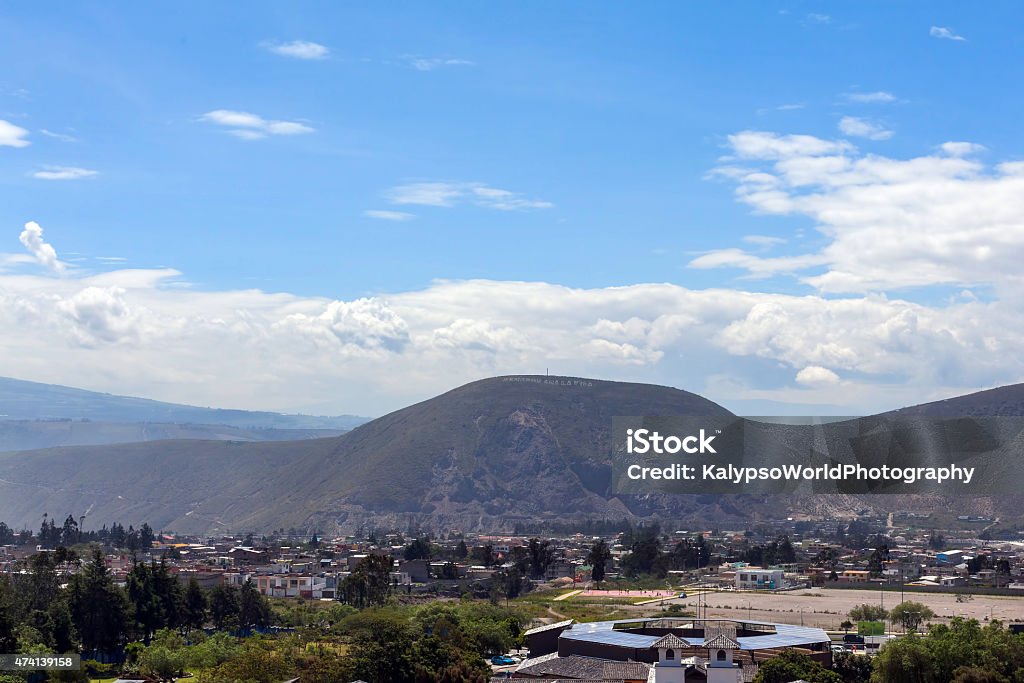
(721, 668)
(670, 668)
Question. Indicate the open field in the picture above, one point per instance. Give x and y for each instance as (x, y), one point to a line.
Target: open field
(828, 608)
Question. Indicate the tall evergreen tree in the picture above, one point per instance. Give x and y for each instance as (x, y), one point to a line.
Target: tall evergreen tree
(253, 607)
(224, 608)
(194, 607)
(99, 609)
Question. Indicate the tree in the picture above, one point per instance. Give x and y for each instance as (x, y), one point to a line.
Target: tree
(852, 667)
(846, 625)
(905, 660)
(194, 606)
(419, 549)
(69, 532)
(541, 557)
(370, 582)
(8, 641)
(868, 612)
(911, 614)
(484, 555)
(461, 551)
(509, 583)
(792, 666)
(162, 662)
(877, 560)
(224, 608)
(597, 558)
(973, 674)
(253, 607)
(99, 609)
(645, 557)
(144, 601)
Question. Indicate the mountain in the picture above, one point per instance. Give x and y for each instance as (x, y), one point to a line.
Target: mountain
(1005, 401)
(482, 456)
(21, 400)
(498, 449)
(20, 435)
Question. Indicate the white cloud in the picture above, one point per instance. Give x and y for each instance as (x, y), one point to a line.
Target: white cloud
(815, 376)
(765, 241)
(397, 216)
(299, 49)
(63, 173)
(429, 64)
(285, 352)
(63, 137)
(942, 219)
(877, 97)
(443, 194)
(12, 135)
(751, 144)
(861, 128)
(96, 315)
(818, 18)
(42, 251)
(943, 32)
(249, 126)
(961, 149)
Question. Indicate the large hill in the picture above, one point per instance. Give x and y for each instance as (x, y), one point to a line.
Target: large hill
(482, 456)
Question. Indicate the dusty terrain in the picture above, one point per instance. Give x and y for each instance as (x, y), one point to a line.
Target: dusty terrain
(828, 608)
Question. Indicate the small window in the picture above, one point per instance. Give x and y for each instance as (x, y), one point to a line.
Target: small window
(720, 656)
(670, 654)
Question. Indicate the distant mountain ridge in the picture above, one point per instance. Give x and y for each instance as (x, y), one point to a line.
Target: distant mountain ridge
(23, 400)
(483, 456)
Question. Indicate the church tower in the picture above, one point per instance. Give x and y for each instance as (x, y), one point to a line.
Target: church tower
(721, 668)
(670, 668)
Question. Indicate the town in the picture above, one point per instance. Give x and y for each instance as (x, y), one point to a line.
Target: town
(614, 602)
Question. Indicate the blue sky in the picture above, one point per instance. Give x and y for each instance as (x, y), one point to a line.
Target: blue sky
(343, 153)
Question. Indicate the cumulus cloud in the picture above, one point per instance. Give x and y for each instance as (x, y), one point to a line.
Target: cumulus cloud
(944, 33)
(862, 128)
(362, 325)
(816, 376)
(63, 173)
(890, 223)
(99, 314)
(298, 49)
(445, 194)
(42, 251)
(281, 351)
(249, 126)
(12, 135)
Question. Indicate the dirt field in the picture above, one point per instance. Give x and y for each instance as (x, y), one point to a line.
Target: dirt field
(828, 608)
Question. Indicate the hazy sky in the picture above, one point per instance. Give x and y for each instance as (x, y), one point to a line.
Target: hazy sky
(793, 208)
